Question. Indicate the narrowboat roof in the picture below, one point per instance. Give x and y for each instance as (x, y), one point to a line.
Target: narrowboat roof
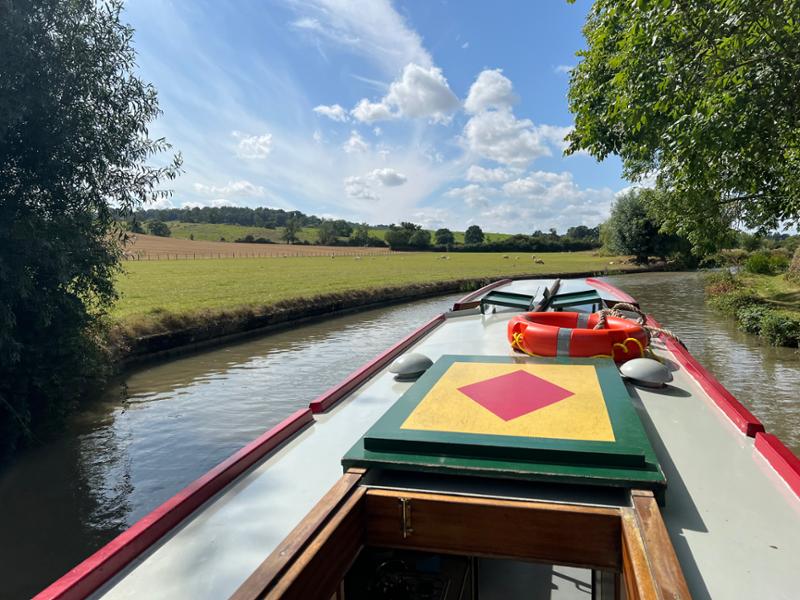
(732, 519)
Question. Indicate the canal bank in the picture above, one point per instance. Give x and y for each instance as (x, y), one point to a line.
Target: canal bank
(198, 330)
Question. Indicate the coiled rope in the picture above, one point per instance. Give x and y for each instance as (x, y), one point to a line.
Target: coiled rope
(641, 319)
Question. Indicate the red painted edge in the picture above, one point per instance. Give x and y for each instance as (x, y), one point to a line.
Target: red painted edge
(604, 285)
(329, 398)
(746, 421)
(783, 460)
(111, 558)
(480, 292)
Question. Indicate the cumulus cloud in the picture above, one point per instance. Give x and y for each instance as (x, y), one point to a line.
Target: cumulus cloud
(472, 194)
(420, 92)
(355, 143)
(499, 136)
(480, 174)
(362, 187)
(491, 89)
(369, 112)
(544, 199)
(253, 146)
(388, 177)
(555, 135)
(333, 112)
(564, 68)
(233, 188)
(359, 188)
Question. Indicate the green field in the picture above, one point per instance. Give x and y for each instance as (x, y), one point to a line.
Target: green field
(152, 290)
(213, 232)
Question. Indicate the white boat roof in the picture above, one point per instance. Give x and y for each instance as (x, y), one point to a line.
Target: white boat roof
(733, 521)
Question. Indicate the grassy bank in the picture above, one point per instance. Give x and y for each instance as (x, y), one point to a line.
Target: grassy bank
(764, 305)
(164, 296)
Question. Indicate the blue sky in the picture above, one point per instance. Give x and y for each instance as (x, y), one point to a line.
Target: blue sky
(440, 112)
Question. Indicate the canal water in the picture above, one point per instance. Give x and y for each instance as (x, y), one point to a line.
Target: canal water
(162, 426)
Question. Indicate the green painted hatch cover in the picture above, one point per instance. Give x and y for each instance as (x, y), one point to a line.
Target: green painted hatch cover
(547, 419)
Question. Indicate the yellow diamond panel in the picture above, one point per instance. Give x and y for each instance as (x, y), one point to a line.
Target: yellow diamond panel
(581, 416)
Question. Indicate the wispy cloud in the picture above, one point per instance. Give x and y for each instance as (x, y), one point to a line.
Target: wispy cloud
(372, 29)
(253, 146)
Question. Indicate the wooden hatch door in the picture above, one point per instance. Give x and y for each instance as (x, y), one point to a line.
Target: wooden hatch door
(628, 545)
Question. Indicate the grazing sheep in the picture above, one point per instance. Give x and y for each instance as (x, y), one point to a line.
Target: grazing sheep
(505, 256)
(358, 258)
(538, 261)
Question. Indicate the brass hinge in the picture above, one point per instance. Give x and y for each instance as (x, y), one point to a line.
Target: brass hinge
(405, 517)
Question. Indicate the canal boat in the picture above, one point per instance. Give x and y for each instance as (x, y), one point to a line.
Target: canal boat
(462, 464)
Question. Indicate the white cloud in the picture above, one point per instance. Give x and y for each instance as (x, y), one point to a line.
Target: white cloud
(334, 112)
(355, 143)
(564, 68)
(538, 183)
(233, 188)
(388, 177)
(370, 28)
(159, 203)
(501, 137)
(369, 112)
(377, 131)
(419, 92)
(472, 194)
(253, 146)
(358, 188)
(465, 45)
(491, 89)
(220, 202)
(555, 135)
(480, 174)
(422, 92)
(543, 199)
(317, 137)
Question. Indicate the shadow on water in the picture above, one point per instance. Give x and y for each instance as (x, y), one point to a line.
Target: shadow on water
(164, 425)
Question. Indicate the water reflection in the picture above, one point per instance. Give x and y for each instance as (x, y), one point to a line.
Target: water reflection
(165, 425)
(764, 378)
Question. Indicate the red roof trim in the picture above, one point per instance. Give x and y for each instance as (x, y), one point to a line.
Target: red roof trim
(604, 285)
(727, 402)
(783, 460)
(111, 558)
(480, 292)
(332, 396)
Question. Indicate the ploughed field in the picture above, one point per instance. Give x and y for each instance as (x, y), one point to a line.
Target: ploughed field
(154, 292)
(144, 247)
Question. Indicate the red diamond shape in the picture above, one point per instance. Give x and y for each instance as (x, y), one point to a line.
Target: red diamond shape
(515, 394)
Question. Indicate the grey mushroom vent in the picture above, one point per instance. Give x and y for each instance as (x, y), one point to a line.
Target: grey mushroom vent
(646, 372)
(410, 366)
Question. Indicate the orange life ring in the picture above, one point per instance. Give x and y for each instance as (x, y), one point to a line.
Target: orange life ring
(573, 334)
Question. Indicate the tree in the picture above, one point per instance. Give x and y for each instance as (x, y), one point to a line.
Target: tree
(400, 237)
(135, 226)
(73, 144)
(444, 237)
(361, 236)
(159, 228)
(326, 233)
(420, 239)
(632, 228)
(473, 235)
(290, 230)
(702, 94)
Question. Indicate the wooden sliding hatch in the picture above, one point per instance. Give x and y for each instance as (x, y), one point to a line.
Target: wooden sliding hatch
(626, 547)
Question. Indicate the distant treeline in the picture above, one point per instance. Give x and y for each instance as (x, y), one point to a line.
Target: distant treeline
(233, 215)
